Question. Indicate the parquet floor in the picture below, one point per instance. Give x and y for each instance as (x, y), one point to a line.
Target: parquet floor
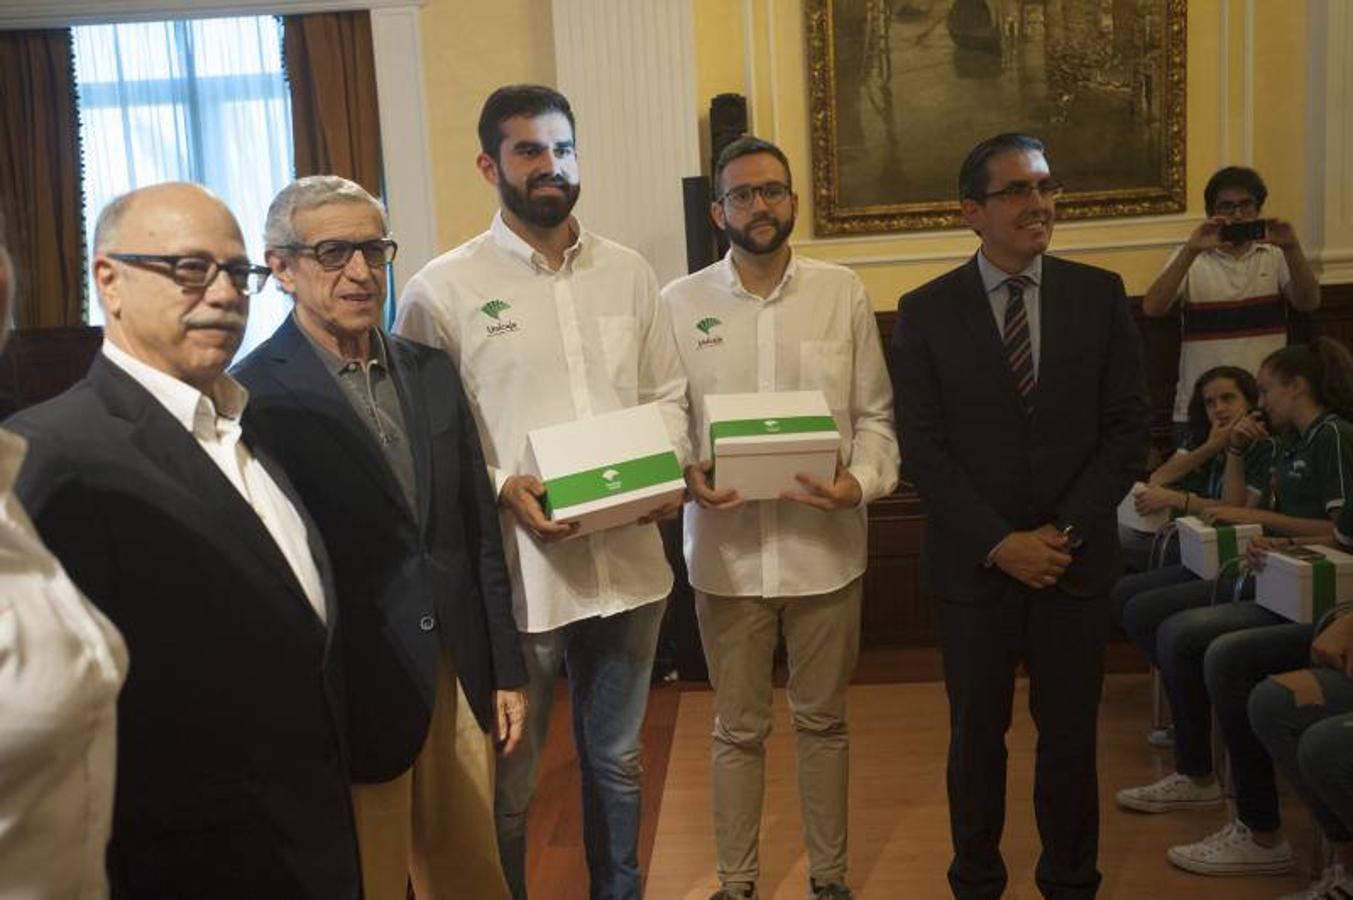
(899, 831)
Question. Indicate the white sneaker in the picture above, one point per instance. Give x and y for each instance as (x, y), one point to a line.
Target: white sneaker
(1232, 851)
(1161, 737)
(1335, 884)
(1174, 791)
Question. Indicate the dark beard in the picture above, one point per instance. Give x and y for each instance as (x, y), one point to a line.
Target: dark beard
(546, 211)
(743, 239)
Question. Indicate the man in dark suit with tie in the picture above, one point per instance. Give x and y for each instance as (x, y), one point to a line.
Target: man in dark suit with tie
(376, 433)
(231, 777)
(1022, 417)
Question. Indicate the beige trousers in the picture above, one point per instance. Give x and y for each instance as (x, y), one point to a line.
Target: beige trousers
(822, 637)
(434, 823)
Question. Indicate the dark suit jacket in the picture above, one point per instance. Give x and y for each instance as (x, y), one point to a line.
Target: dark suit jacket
(981, 465)
(231, 780)
(410, 584)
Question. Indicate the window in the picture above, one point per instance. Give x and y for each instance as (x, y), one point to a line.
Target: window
(204, 100)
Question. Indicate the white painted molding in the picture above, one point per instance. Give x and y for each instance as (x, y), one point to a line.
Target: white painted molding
(628, 69)
(1224, 84)
(1057, 249)
(749, 65)
(405, 158)
(772, 52)
(1247, 80)
(17, 14)
(1330, 124)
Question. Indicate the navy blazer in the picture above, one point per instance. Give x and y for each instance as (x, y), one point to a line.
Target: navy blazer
(982, 465)
(230, 773)
(411, 584)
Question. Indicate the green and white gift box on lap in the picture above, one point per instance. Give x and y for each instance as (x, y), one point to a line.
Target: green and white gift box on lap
(606, 471)
(1204, 549)
(759, 442)
(1302, 583)
(1149, 523)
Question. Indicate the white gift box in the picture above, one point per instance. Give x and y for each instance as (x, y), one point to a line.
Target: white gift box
(1204, 549)
(1128, 515)
(759, 442)
(608, 470)
(1302, 583)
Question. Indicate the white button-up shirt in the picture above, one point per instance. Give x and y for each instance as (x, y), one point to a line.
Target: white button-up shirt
(214, 422)
(537, 347)
(816, 330)
(61, 665)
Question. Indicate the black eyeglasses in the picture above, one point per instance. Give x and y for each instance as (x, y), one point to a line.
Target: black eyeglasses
(1048, 189)
(744, 195)
(198, 272)
(1227, 207)
(335, 254)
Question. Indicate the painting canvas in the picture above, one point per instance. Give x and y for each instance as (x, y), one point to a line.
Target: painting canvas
(902, 89)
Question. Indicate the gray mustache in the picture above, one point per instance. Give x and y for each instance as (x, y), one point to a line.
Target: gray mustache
(227, 321)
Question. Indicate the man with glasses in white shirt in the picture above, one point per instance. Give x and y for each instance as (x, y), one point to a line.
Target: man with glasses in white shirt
(784, 323)
(146, 484)
(1233, 291)
(549, 323)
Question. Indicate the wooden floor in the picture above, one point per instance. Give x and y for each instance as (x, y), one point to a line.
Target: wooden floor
(899, 828)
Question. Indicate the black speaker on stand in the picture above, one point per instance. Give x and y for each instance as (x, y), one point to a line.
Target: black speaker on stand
(727, 123)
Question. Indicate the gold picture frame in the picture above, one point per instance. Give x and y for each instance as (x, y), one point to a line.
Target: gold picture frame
(1102, 82)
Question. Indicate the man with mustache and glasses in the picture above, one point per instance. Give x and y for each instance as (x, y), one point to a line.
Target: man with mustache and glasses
(547, 323)
(376, 435)
(231, 777)
(785, 323)
(1021, 411)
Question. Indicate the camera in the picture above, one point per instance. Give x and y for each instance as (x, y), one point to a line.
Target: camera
(1240, 232)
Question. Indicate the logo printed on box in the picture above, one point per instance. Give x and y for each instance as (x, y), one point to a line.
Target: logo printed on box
(612, 479)
(771, 424)
(494, 309)
(705, 326)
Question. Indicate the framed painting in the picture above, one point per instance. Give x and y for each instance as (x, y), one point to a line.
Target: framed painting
(900, 90)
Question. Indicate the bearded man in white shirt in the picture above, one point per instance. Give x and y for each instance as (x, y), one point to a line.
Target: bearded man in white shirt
(549, 323)
(231, 777)
(784, 323)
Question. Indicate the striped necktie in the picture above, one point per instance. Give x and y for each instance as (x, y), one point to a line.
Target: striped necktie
(1018, 345)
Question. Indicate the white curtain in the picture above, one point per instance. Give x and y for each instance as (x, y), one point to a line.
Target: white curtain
(203, 100)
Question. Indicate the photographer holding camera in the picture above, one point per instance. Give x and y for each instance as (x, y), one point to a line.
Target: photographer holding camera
(1234, 276)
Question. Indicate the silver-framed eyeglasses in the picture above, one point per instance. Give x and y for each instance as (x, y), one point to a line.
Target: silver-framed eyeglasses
(1048, 189)
(744, 195)
(335, 254)
(198, 272)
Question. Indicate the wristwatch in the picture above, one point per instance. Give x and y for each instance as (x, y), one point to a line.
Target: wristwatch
(1075, 541)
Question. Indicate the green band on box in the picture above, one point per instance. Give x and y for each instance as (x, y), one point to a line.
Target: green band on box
(772, 425)
(1226, 544)
(608, 481)
(1322, 587)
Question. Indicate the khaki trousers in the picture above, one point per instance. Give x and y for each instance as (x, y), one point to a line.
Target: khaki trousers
(434, 823)
(822, 637)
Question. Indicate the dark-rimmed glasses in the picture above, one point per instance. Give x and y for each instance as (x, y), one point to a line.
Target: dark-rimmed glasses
(198, 272)
(1048, 189)
(744, 195)
(1246, 207)
(334, 254)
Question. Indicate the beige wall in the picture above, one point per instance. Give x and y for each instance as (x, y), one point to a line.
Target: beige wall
(470, 48)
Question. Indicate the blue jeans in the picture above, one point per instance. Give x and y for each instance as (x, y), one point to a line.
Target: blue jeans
(1141, 602)
(1233, 665)
(1312, 743)
(610, 664)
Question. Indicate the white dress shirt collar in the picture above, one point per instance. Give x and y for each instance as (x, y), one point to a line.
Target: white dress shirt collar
(13, 449)
(515, 246)
(734, 278)
(193, 409)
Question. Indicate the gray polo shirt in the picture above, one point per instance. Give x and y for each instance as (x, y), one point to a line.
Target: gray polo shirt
(373, 392)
